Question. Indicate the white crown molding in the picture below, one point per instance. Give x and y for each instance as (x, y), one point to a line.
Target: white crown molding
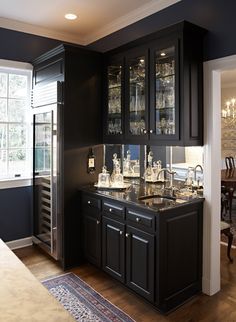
(131, 17)
(119, 23)
(40, 31)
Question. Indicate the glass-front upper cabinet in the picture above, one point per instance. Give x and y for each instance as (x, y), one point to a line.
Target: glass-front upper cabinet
(137, 95)
(164, 94)
(114, 102)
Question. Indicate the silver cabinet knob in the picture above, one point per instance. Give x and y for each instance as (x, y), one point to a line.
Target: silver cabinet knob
(98, 222)
(126, 235)
(121, 232)
(151, 131)
(138, 219)
(144, 131)
(89, 202)
(110, 209)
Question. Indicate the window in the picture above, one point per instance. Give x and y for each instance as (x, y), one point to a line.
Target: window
(15, 119)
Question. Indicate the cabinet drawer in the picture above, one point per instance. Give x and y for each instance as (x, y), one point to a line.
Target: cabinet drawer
(114, 210)
(141, 220)
(89, 202)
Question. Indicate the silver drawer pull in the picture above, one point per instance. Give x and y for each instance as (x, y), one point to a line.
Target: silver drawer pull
(89, 202)
(138, 219)
(126, 235)
(98, 222)
(110, 209)
(121, 232)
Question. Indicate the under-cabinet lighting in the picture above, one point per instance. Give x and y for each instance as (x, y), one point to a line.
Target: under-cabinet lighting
(163, 54)
(70, 16)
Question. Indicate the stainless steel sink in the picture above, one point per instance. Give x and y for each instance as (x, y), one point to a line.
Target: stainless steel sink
(156, 196)
(160, 200)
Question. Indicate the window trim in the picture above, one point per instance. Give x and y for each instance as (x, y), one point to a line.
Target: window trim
(27, 69)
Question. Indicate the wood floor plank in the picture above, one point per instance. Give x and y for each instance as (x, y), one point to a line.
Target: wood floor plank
(218, 308)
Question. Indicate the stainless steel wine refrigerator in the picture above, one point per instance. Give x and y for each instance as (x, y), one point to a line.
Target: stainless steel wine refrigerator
(47, 189)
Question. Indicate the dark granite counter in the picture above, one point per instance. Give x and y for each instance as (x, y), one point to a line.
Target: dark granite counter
(150, 196)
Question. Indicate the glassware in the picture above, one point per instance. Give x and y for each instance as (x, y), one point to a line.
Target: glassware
(137, 122)
(118, 180)
(165, 91)
(114, 99)
(104, 178)
(190, 176)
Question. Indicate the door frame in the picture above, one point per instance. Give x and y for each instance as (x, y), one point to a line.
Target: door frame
(212, 167)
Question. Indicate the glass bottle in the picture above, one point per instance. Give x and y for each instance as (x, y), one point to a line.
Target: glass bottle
(91, 161)
(118, 180)
(104, 178)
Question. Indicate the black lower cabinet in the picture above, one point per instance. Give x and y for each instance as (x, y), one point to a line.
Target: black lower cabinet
(113, 248)
(92, 238)
(180, 260)
(157, 254)
(140, 262)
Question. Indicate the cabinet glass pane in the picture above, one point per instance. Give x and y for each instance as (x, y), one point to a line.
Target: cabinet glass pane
(165, 91)
(114, 100)
(137, 121)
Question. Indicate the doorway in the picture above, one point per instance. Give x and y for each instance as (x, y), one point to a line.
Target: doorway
(212, 166)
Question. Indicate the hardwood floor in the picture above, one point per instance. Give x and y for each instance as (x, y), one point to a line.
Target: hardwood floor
(218, 308)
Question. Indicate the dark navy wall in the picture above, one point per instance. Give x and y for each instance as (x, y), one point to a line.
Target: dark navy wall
(217, 16)
(23, 47)
(15, 213)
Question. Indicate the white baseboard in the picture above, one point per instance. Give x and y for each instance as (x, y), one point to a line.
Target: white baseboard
(20, 243)
(226, 244)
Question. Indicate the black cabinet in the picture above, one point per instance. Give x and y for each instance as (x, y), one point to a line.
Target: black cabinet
(180, 255)
(140, 262)
(92, 229)
(92, 238)
(157, 254)
(113, 248)
(136, 95)
(114, 99)
(79, 72)
(161, 91)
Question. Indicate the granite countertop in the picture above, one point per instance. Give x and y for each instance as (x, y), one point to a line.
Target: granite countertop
(22, 296)
(146, 195)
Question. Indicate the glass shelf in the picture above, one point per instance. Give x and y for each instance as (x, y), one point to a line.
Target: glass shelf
(137, 108)
(165, 91)
(114, 125)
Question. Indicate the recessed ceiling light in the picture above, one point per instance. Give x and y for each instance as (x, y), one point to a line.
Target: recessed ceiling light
(70, 16)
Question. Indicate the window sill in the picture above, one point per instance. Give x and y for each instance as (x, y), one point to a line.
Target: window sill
(15, 182)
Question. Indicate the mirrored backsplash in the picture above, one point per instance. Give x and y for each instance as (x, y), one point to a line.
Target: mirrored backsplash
(136, 159)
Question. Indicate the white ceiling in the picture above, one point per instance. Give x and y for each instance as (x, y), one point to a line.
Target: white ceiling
(96, 18)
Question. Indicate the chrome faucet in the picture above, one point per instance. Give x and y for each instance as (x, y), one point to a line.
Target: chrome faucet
(195, 171)
(172, 173)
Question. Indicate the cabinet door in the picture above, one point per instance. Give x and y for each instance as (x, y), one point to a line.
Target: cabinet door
(113, 248)
(180, 255)
(114, 88)
(92, 239)
(140, 262)
(136, 104)
(164, 92)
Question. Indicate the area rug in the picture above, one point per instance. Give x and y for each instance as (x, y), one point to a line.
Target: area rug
(83, 302)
